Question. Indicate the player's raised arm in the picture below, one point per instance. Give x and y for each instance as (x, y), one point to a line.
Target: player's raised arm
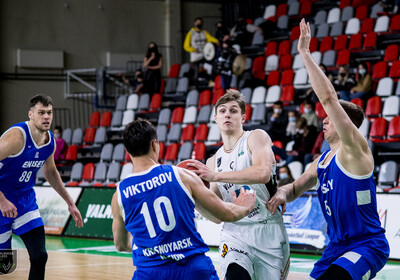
(354, 144)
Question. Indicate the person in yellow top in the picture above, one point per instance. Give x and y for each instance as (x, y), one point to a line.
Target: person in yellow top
(195, 40)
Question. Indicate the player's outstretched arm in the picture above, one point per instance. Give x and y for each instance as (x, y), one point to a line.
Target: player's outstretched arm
(53, 177)
(290, 192)
(355, 146)
(11, 143)
(259, 173)
(207, 200)
(122, 238)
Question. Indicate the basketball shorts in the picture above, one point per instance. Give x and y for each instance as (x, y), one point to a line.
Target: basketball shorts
(27, 219)
(362, 259)
(261, 249)
(199, 267)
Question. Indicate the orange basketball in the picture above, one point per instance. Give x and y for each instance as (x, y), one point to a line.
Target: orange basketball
(184, 164)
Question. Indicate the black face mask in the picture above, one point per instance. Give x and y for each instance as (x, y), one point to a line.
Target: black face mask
(199, 26)
(153, 49)
(342, 75)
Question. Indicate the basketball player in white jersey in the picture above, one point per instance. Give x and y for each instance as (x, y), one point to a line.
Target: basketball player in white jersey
(255, 247)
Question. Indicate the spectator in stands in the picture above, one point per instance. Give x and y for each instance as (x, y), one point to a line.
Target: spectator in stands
(225, 61)
(277, 122)
(303, 143)
(242, 32)
(320, 146)
(194, 43)
(344, 81)
(391, 5)
(285, 176)
(291, 126)
(152, 64)
(363, 84)
(309, 114)
(138, 84)
(221, 31)
(61, 145)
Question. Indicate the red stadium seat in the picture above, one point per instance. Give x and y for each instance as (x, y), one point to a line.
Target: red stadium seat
(88, 172)
(367, 25)
(343, 58)
(201, 133)
(374, 107)
(393, 133)
(171, 153)
(217, 95)
(284, 47)
(344, 3)
(271, 48)
(394, 72)
(162, 150)
(72, 153)
(94, 120)
(380, 70)
(177, 115)
(287, 77)
(199, 151)
(305, 8)
(205, 98)
(155, 103)
(301, 109)
(391, 53)
(281, 10)
(273, 78)
(248, 112)
(217, 83)
(89, 135)
(106, 119)
(295, 33)
(340, 43)
(361, 12)
(258, 68)
(285, 62)
(370, 40)
(313, 44)
(355, 41)
(326, 44)
(287, 95)
(174, 71)
(395, 24)
(357, 101)
(187, 133)
(319, 110)
(377, 132)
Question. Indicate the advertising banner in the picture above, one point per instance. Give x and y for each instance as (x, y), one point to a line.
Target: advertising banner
(95, 207)
(305, 223)
(388, 211)
(53, 209)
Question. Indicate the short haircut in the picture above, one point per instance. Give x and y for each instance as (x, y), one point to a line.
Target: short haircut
(280, 103)
(59, 128)
(138, 136)
(198, 18)
(232, 95)
(355, 112)
(301, 122)
(40, 98)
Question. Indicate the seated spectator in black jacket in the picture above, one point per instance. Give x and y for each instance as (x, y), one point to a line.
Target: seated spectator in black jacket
(277, 121)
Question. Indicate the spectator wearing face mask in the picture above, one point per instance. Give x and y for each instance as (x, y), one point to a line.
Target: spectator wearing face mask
(363, 84)
(61, 145)
(277, 121)
(303, 143)
(285, 176)
(343, 81)
(152, 64)
(309, 114)
(221, 31)
(225, 61)
(291, 126)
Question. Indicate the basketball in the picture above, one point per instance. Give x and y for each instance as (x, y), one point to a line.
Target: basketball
(184, 164)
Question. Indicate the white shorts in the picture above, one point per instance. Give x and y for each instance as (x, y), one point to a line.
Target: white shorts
(262, 249)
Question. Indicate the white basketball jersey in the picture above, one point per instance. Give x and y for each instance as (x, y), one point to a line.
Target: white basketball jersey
(237, 159)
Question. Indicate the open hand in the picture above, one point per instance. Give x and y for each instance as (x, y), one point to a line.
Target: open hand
(8, 209)
(246, 199)
(203, 171)
(303, 44)
(278, 199)
(76, 215)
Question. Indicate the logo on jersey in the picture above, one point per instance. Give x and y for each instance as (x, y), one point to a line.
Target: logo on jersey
(219, 161)
(37, 155)
(224, 250)
(231, 165)
(241, 153)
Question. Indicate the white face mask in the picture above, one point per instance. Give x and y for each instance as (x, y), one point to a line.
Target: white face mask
(362, 71)
(277, 110)
(301, 131)
(307, 110)
(57, 135)
(283, 175)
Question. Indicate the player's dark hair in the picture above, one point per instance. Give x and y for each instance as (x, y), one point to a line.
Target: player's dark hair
(40, 98)
(138, 136)
(59, 128)
(232, 95)
(355, 112)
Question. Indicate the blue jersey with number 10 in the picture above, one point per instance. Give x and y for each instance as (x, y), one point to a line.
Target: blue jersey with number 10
(18, 172)
(159, 213)
(348, 202)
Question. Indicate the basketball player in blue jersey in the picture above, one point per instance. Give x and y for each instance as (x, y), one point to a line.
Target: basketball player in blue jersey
(346, 189)
(153, 212)
(24, 149)
(257, 246)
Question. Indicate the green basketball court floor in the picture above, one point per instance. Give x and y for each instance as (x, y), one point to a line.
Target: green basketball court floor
(300, 263)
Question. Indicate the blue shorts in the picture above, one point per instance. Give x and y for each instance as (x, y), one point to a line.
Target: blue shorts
(28, 218)
(361, 258)
(199, 267)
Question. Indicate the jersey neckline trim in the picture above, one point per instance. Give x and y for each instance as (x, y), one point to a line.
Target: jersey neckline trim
(142, 172)
(33, 140)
